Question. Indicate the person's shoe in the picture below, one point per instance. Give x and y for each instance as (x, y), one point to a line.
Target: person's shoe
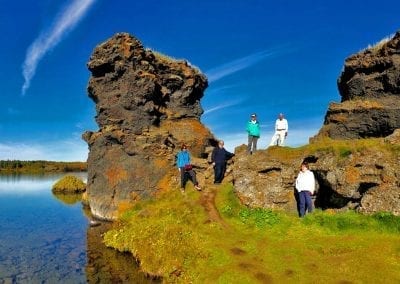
(197, 187)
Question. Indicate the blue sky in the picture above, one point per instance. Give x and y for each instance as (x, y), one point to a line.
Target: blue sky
(260, 56)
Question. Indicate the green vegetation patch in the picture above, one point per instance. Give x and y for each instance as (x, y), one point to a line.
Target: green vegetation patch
(69, 184)
(39, 167)
(169, 236)
(175, 237)
(351, 221)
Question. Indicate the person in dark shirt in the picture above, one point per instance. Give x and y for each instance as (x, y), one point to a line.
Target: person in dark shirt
(219, 157)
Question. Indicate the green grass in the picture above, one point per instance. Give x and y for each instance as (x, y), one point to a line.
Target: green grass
(174, 238)
(340, 149)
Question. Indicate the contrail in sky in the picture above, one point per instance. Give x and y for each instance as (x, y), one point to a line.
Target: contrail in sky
(236, 65)
(222, 106)
(49, 38)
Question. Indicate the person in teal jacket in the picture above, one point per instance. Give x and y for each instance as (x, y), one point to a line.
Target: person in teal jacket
(253, 130)
(185, 168)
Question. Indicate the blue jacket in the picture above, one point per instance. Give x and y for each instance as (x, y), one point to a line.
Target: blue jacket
(182, 159)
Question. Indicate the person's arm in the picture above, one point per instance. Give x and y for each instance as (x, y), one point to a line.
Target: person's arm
(213, 156)
(312, 183)
(178, 160)
(286, 127)
(228, 155)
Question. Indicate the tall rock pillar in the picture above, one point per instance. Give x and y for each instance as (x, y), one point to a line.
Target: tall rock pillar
(147, 105)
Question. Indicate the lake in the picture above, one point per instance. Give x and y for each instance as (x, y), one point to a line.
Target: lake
(46, 238)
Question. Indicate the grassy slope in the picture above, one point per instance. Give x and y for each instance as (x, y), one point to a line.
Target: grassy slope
(174, 237)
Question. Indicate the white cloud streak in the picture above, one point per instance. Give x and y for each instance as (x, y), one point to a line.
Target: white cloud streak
(222, 106)
(49, 38)
(239, 64)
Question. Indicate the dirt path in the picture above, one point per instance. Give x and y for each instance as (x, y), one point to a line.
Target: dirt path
(207, 200)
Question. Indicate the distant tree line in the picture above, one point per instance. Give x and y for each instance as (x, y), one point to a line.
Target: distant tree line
(10, 166)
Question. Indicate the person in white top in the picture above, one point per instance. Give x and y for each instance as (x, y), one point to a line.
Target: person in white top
(305, 186)
(281, 131)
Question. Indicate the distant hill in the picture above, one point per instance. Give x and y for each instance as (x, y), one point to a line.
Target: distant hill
(17, 166)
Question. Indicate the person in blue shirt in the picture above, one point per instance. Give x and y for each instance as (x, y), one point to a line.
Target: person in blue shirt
(184, 165)
(253, 131)
(219, 157)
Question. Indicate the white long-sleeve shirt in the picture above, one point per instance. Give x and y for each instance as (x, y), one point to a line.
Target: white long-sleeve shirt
(281, 124)
(305, 181)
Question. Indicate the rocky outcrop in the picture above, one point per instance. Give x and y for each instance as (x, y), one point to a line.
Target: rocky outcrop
(365, 179)
(147, 105)
(369, 86)
(262, 180)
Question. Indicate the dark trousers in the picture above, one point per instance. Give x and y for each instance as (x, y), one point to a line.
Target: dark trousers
(305, 203)
(219, 172)
(186, 175)
(252, 144)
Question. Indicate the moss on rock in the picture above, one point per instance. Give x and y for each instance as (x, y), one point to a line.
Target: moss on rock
(69, 184)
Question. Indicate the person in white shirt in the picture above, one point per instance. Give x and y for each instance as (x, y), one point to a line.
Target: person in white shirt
(305, 186)
(281, 131)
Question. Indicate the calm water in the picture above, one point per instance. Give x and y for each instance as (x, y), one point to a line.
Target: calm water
(46, 238)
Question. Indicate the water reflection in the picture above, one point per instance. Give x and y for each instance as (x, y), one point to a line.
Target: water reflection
(106, 265)
(45, 238)
(68, 199)
(31, 184)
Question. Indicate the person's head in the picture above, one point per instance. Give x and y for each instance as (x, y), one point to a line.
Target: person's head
(221, 143)
(184, 147)
(281, 116)
(253, 116)
(304, 166)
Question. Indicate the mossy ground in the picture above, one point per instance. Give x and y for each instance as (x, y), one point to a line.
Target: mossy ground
(341, 149)
(174, 237)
